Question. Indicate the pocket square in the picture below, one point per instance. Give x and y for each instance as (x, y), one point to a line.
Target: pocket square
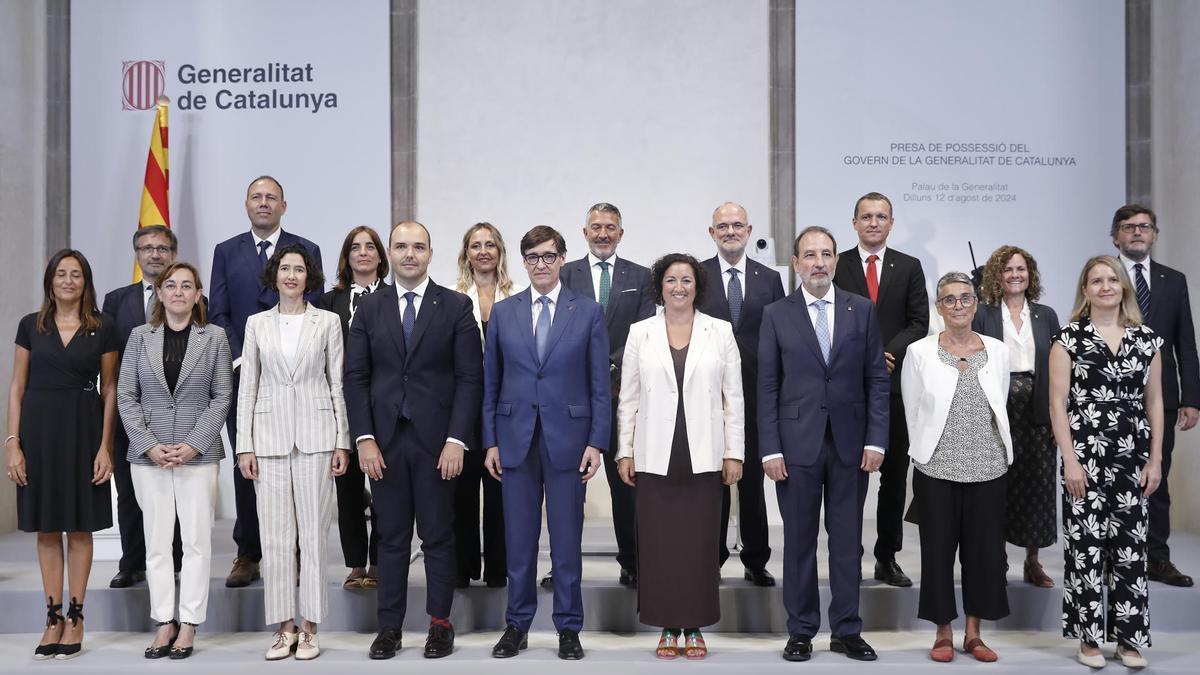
(629, 290)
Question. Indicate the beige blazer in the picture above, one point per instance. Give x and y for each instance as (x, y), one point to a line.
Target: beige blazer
(712, 396)
(280, 407)
(928, 385)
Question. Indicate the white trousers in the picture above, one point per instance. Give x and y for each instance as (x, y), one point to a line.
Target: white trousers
(295, 493)
(190, 493)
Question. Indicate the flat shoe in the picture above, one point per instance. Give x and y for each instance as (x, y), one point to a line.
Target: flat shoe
(980, 651)
(943, 651)
(1130, 660)
(1034, 574)
(1092, 661)
(354, 580)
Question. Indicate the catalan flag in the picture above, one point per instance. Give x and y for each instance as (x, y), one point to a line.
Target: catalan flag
(155, 210)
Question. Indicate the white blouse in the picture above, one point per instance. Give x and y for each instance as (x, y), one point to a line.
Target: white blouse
(289, 336)
(1019, 342)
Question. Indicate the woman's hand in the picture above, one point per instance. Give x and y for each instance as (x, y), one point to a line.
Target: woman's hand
(248, 464)
(161, 455)
(102, 466)
(626, 470)
(16, 463)
(1075, 478)
(1151, 478)
(181, 453)
(341, 458)
(731, 471)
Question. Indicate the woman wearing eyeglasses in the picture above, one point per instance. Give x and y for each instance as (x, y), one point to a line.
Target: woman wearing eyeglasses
(955, 386)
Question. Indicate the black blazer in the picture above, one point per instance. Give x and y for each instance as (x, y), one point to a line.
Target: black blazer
(1170, 317)
(990, 322)
(440, 375)
(903, 304)
(629, 301)
(338, 302)
(126, 306)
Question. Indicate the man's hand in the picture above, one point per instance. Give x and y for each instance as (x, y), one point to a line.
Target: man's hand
(890, 360)
(370, 459)
(491, 462)
(1188, 417)
(775, 469)
(871, 460)
(450, 462)
(590, 463)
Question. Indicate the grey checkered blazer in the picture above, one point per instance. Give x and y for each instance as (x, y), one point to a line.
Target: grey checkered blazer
(196, 412)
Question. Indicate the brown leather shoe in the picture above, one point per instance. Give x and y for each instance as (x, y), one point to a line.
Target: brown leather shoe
(1034, 574)
(244, 572)
(1164, 571)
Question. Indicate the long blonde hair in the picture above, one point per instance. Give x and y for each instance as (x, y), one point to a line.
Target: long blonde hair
(1128, 313)
(466, 277)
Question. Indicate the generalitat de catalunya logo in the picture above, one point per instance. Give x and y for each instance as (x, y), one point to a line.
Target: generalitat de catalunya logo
(142, 82)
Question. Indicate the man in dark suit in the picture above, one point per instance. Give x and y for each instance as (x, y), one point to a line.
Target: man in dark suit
(1162, 295)
(823, 423)
(414, 380)
(741, 288)
(546, 406)
(237, 292)
(895, 284)
(129, 307)
(619, 285)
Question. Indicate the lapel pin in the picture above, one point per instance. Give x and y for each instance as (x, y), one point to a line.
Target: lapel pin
(849, 309)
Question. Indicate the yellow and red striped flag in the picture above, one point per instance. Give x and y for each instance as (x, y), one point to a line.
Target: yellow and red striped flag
(155, 209)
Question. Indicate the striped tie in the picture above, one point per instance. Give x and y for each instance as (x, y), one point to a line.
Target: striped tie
(1143, 290)
(822, 329)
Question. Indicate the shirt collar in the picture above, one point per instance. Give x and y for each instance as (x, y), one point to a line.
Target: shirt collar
(862, 253)
(274, 238)
(553, 294)
(593, 260)
(419, 290)
(740, 266)
(1007, 315)
(809, 298)
(1129, 265)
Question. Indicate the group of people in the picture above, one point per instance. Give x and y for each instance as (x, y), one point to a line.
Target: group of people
(681, 380)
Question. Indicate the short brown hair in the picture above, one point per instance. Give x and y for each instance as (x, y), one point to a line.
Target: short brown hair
(874, 197)
(270, 178)
(813, 229)
(541, 234)
(148, 230)
(1128, 211)
(199, 310)
(991, 289)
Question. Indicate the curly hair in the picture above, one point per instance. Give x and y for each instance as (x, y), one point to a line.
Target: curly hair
(991, 290)
(659, 270)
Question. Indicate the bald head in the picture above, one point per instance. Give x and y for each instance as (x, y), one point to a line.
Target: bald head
(730, 230)
(407, 224)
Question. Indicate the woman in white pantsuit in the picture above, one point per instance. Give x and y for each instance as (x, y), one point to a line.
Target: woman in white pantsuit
(292, 440)
(173, 394)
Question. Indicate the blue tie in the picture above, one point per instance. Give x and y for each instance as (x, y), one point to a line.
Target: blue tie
(262, 253)
(409, 318)
(541, 334)
(734, 293)
(1143, 291)
(822, 329)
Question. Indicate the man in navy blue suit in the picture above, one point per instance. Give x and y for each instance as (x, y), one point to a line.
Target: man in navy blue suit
(823, 426)
(236, 292)
(129, 307)
(414, 380)
(744, 287)
(546, 406)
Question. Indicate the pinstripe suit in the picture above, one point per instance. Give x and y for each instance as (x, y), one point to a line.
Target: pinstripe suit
(292, 416)
(193, 414)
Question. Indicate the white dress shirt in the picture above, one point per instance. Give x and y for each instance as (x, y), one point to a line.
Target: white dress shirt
(726, 276)
(1133, 273)
(289, 336)
(594, 265)
(864, 253)
(272, 240)
(1019, 342)
(537, 304)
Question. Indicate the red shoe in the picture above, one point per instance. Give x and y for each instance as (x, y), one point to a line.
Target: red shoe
(943, 651)
(980, 651)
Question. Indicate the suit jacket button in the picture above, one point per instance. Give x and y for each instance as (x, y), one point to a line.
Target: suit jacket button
(406, 378)
(829, 379)
(533, 406)
(541, 376)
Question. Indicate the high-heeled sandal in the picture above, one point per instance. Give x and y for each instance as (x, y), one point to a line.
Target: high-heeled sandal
(179, 653)
(74, 615)
(153, 652)
(695, 648)
(53, 616)
(668, 645)
(1034, 574)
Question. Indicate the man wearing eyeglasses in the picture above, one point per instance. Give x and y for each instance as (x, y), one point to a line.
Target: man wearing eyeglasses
(1162, 296)
(743, 288)
(129, 307)
(895, 284)
(546, 406)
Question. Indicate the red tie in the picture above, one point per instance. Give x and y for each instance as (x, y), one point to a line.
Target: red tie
(872, 279)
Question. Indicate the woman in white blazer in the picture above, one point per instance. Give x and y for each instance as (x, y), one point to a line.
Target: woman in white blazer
(955, 388)
(293, 439)
(483, 277)
(681, 421)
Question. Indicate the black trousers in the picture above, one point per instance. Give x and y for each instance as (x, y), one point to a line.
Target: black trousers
(752, 511)
(357, 546)
(413, 489)
(245, 524)
(468, 549)
(624, 505)
(893, 486)
(1160, 501)
(129, 514)
(965, 519)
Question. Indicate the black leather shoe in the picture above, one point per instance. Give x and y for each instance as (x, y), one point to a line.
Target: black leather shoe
(853, 646)
(1164, 571)
(462, 581)
(511, 643)
(569, 648)
(127, 579)
(548, 580)
(628, 578)
(496, 583)
(759, 577)
(798, 648)
(440, 641)
(164, 650)
(889, 572)
(385, 645)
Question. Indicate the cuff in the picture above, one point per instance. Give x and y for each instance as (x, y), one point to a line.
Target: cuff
(874, 448)
(363, 438)
(451, 439)
(771, 457)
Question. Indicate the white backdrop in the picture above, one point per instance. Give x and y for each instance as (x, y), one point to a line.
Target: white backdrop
(1040, 85)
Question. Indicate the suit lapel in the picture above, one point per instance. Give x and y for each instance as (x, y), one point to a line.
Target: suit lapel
(660, 346)
(619, 282)
(135, 305)
(154, 352)
(272, 343)
(391, 324)
(308, 328)
(581, 272)
(701, 339)
(887, 273)
(717, 301)
(197, 342)
(804, 327)
(841, 322)
(851, 271)
(525, 321)
(563, 314)
(429, 308)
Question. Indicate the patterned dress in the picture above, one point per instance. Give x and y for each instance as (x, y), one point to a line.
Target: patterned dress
(1104, 533)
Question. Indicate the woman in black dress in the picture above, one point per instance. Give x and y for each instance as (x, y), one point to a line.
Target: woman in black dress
(682, 434)
(59, 443)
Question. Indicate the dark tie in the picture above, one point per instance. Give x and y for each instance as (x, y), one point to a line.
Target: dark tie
(409, 318)
(734, 294)
(541, 334)
(1143, 290)
(605, 285)
(262, 253)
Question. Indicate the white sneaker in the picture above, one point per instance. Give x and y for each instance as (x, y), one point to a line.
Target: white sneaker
(282, 647)
(1090, 660)
(1130, 659)
(308, 648)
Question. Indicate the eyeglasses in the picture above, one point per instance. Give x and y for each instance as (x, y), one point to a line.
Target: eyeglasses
(148, 249)
(533, 258)
(1140, 227)
(950, 301)
(725, 227)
